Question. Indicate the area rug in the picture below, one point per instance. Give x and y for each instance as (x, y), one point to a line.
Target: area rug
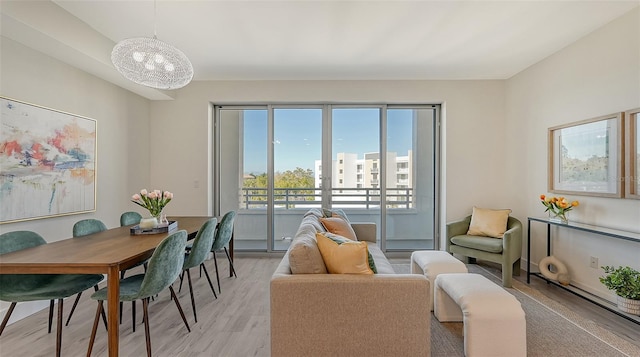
(552, 329)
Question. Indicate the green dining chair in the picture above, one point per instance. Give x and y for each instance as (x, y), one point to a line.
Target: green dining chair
(16, 288)
(88, 226)
(197, 255)
(165, 265)
(80, 229)
(223, 236)
(130, 218)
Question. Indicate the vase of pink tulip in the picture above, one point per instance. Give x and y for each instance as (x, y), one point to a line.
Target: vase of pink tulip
(154, 201)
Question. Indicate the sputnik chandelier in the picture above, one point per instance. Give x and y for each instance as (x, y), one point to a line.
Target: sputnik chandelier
(151, 62)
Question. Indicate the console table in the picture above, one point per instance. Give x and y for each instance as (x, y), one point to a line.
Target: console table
(608, 232)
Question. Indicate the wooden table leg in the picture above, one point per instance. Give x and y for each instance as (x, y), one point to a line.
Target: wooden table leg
(113, 297)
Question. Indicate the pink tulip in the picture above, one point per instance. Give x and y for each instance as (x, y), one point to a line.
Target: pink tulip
(143, 192)
(152, 195)
(168, 195)
(135, 197)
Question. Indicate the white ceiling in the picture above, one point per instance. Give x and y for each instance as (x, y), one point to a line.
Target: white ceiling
(290, 40)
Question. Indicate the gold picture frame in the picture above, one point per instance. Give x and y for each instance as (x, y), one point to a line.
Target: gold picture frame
(586, 157)
(632, 154)
(48, 162)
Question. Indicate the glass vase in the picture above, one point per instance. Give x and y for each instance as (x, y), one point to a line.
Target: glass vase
(148, 222)
(558, 217)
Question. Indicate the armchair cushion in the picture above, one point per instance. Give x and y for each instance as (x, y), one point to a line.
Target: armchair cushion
(486, 244)
(488, 222)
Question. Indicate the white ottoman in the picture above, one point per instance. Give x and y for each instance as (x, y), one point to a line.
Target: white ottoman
(494, 322)
(434, 262)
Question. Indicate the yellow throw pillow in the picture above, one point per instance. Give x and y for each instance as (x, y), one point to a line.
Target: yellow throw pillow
(350, 257)
(488, 222)
(337, 225)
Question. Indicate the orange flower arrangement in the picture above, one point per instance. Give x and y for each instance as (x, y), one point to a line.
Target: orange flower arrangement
(558, 206)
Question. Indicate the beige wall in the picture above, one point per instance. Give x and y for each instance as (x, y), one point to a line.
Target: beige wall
(597, 75)
(122, 122)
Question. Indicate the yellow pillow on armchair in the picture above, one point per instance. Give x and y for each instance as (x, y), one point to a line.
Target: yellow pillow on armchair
(488, 222)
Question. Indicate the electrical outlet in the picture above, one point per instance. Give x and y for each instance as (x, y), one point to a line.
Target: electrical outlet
(593, 262)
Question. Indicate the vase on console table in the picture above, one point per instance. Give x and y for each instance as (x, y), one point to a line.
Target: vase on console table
(558, 217)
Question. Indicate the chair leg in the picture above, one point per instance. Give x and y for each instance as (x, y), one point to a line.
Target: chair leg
(73, 308)
(181, 279)
(145, 309)
(507, 271)
(206, 273)
(104, 316)
(233, 270)
(516, 268)
(175, 299)
(95, 327)
(7, 316)
(215, 262)
(59, 329)
(193, 301)
(133, 315)
(51, 302)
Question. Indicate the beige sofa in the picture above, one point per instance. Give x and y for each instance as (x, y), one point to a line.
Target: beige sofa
(322, 314)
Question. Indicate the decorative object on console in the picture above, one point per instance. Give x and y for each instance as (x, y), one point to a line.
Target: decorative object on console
(151, 62)
(558, 207)
(561, 274)
(625, 282)
(154, 201)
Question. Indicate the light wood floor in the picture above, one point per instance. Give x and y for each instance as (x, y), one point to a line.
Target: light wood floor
(236, 324)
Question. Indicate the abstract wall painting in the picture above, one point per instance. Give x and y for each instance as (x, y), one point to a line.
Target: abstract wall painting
(47, 162)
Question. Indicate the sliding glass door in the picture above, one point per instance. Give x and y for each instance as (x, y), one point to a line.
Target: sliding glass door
(377, 163)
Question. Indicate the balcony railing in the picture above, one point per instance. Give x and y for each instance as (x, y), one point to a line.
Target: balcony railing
(291, 198)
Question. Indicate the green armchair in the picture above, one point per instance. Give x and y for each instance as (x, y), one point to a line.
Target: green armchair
(506, 250)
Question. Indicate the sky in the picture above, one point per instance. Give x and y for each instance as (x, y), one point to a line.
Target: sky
(298, 135)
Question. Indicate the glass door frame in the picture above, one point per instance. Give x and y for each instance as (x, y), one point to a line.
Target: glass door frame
(326, 172)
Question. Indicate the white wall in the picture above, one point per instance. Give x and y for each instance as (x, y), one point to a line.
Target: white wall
(597, 75)
(474, 137)
(122, 122)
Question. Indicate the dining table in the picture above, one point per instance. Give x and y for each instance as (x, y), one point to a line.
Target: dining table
(107, 252)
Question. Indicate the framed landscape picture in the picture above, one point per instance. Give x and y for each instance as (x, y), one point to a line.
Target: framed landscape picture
(585, 158)
(47, 162)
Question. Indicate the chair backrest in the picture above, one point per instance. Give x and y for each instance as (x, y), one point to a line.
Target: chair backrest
(225, 231)
(88, 226)
(165, 265)
(201, 244)
(19, 240)
(129, 218)
(10, 284)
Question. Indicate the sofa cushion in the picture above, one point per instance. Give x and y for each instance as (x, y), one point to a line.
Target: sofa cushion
(337, 225)
(486, 244)
(336, 212)
(488, 222)
(305, 257)
(343, 256)
(380, 260)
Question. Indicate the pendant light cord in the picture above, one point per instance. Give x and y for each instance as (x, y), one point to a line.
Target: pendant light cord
(155, 19)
